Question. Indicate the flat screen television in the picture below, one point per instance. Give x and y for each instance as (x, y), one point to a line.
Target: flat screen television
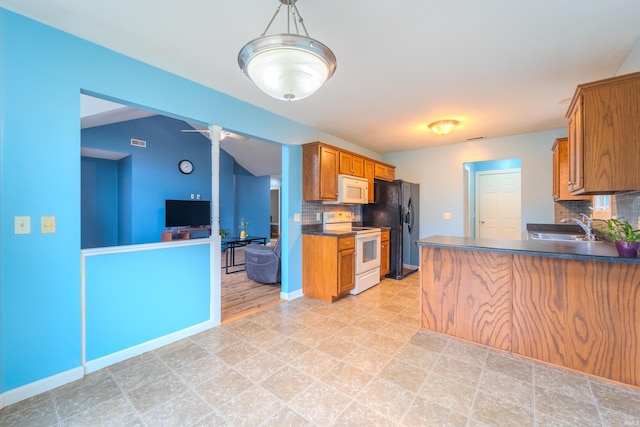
(187, 213)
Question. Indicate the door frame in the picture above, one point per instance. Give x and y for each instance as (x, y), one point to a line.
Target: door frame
(477, 194)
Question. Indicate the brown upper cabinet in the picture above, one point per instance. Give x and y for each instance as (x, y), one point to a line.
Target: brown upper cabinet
(385, 172)
(604, 136)
(369, 174)
(321, 164)
(319, 172)
(350, 164)
(561, 172)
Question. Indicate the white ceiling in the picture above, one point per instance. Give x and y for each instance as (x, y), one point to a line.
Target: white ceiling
(261, 158)
(500, 67)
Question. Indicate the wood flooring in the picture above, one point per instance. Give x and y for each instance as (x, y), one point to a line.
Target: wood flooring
(241, 296)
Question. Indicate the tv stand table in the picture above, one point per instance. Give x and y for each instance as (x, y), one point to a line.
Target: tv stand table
(231, 244)
(185, 233)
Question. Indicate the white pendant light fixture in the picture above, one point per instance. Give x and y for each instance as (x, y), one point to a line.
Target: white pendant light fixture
(287, 66)
(443, 127)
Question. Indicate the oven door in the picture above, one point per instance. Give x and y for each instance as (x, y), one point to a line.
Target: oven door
(367, 252)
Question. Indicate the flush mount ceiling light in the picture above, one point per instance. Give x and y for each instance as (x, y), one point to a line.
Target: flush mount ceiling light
(287, 66)
(443, 127)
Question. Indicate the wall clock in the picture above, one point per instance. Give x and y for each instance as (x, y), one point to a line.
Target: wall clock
(185, 166)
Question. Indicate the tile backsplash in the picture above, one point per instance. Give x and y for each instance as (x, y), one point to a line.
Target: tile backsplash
(622, 205)
(570, 209)
(627, 206)
(310, 211)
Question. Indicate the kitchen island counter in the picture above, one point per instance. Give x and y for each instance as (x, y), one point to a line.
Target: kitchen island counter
(595, 251)
(568, 304)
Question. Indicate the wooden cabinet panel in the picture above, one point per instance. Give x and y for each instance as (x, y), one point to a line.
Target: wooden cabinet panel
(578, 314)
(384, 172)
(321, 164)
(351, 164)
(346, 271)
(384, 253)
(576, 169)
(603, 319)
(319, 172)
(604, 136)
(467, 294)
(346, 243)
(561, 180)
(539, 305)
(328, 270)
(369, 174)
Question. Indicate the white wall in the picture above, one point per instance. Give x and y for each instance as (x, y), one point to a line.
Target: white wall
(439, 172)
(632, 63)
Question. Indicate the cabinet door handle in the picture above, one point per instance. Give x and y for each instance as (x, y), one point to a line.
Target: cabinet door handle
(570, 183)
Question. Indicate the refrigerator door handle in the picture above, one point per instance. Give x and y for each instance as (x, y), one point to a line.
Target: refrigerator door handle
(409, 216)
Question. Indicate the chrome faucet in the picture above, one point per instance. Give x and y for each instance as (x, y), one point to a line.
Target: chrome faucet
(586, 226)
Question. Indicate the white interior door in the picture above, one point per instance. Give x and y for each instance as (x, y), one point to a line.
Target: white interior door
(498, 204)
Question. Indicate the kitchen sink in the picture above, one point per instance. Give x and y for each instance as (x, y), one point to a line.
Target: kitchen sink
(563, 237)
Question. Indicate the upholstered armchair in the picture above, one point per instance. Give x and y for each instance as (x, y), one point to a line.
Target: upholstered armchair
(262, 262)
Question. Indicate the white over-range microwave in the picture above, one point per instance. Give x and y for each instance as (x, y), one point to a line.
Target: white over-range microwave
(352, 190)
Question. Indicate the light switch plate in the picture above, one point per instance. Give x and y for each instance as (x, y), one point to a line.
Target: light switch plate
(22, 224)
(47, 224)
(447, 215)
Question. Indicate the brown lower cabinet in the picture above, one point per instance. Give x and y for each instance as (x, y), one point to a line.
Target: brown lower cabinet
(384, 253)
(328, 270)
(579, 314)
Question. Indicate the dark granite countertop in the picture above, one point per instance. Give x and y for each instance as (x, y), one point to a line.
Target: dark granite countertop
(316, 229)
(593, 251)
(329, 233)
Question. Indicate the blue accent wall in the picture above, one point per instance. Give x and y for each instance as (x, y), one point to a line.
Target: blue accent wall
(154, 174)
(243, 195)
(227, 192)
(125, 208)
(43, 71)
(99, 202)
(152, 300)
(291, 204)
(253, 199)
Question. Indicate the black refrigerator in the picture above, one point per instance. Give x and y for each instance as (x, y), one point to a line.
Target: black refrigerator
(397, 206)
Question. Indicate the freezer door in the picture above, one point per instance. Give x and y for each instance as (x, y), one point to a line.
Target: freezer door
(410, 222)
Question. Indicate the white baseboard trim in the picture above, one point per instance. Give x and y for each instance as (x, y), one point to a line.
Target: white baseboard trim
(111, 359)
(32, 389)
(291, 295)
(46, 384)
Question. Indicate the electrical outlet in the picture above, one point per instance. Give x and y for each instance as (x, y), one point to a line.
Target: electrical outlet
(447, 215)
(318, 216)
(296, 217)
(47, 224)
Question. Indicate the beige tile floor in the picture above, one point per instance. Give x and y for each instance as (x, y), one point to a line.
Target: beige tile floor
(361, 361)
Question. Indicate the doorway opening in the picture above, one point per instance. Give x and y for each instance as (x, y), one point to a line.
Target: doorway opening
(493, 199)
(248, 169)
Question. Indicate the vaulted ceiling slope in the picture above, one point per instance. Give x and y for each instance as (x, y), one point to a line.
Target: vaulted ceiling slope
(500, 67)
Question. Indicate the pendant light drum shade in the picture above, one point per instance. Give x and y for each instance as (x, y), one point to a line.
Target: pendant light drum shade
(287, 66)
